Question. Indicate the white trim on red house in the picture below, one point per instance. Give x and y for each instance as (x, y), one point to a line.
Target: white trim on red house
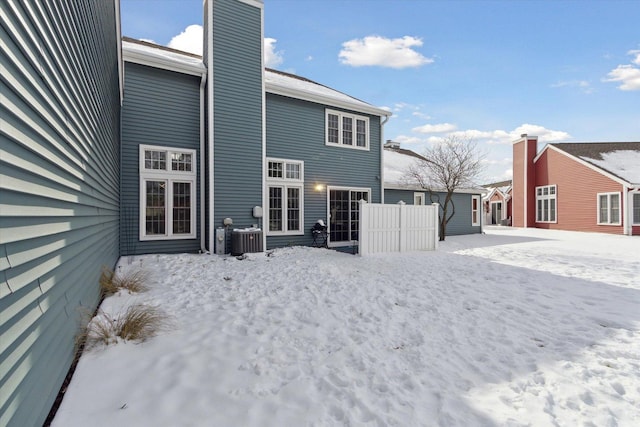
(584, 163)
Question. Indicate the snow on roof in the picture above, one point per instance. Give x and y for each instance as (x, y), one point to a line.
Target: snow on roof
(286, 84)
(621, 159)
(396, 165)
(623, 163)
(397, 162)
(276, 82)
(154, 55)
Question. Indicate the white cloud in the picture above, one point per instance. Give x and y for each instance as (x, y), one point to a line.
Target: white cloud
(421, 115)
(148, 41)
(384, 52)
(272, 58)
(628, 75)
(437, 128)
(404, 139)
(190, 40)
(583, 85)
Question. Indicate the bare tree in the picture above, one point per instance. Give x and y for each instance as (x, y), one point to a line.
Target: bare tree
(450, 165)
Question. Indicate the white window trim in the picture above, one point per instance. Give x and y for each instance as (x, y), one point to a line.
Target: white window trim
(416, 195)
(609, 194)
(285, 183)
(339, 188)
(354, 117)
(478, 210)
(632, 195)
(169, 177)
(553, 196)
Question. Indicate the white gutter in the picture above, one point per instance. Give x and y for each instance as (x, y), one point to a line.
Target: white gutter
(627, 229)
(386, 119)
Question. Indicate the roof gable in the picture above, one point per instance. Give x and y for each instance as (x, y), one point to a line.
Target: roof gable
(617, 160)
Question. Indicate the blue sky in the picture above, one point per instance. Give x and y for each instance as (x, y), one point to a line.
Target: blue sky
(487, 70)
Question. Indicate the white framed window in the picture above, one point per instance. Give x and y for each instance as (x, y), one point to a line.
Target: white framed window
(609, 209)
(418, 199)
(546, 203)
(475, 210)
(167, 193)
(347, 130)
(285, 186)
(344, 213)
(635, 208)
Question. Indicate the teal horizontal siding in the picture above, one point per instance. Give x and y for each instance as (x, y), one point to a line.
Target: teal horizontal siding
(296, 130)
(237, 110)
(59, 192)
(160, 108)
(461, 221)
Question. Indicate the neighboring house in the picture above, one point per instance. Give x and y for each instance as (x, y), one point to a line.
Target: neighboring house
(497, 203)
(577, 186)
(59, 188)
(195, 143)
(467, 201)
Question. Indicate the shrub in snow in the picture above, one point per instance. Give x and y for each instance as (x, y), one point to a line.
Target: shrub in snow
(138, 322)
(132, 280)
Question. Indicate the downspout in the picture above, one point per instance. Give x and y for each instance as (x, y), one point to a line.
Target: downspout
(626, 229)
(203, 248)
(386, 119)
(209, 66)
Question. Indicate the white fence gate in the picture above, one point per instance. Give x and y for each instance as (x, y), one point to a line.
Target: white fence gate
(397, 228)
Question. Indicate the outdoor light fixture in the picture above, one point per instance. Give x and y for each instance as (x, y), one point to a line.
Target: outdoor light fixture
(319, 187)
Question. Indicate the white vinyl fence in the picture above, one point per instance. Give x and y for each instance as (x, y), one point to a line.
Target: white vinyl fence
(397, 228)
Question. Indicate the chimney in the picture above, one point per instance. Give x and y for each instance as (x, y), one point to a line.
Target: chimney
(523, 193)
(391, 144)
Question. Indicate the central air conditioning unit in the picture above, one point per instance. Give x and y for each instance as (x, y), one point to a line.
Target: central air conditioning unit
(246, 241)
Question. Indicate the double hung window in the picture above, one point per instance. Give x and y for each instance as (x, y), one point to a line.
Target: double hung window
(347, 130)
(167, 193)
(285, 182)
(609, 208)
(546, 202)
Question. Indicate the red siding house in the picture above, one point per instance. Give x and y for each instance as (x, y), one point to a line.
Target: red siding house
(497, 203)
(577, 186)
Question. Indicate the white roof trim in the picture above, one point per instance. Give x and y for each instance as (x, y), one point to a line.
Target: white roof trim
(585, 163)
(415, 187)
(147, 56)
(360, 106)
(255, 3)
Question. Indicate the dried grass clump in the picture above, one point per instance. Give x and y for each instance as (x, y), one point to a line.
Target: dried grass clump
(138, 323)
(134, 281)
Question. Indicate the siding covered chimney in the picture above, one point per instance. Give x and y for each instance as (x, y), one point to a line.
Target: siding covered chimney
(523, 193)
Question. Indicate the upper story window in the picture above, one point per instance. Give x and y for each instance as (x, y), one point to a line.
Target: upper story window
(546, 202)
(285, 183)
(167, 193)
(347, 130)
(609, 208)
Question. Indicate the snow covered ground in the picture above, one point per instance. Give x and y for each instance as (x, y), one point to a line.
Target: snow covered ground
(515, 327)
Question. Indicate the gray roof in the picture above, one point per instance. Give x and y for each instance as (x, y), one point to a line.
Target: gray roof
(592, 153)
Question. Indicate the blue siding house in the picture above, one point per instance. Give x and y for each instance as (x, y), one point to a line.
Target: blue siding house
(467, 218)
(114, 147)
(59, 188)
(267, 150)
